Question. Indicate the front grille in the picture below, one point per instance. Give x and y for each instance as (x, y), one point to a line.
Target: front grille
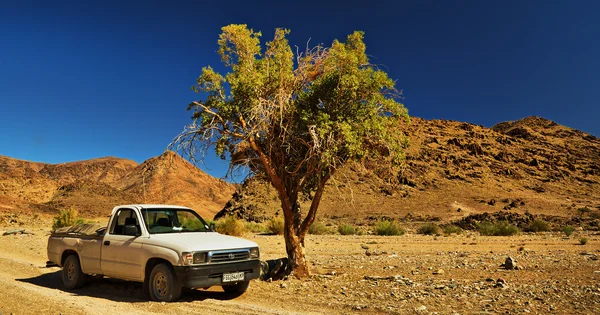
(229, 256)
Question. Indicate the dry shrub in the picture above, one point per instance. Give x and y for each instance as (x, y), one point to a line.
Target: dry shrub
(389, 228)
(230, 225)
(275, 225)
(66, 217)
(449, 229)
(501, 228)
(429, 229)
(346, 229)
(318, 228)
(537, 226)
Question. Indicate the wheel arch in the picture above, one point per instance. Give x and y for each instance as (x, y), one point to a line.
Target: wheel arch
(153, 262)
(66, 254)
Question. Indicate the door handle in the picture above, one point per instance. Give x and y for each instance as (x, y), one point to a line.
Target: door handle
(106, 242)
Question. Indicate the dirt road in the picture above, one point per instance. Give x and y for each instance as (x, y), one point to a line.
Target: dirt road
(411, 274)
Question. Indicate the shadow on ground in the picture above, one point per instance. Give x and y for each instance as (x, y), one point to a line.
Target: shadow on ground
(119, 290)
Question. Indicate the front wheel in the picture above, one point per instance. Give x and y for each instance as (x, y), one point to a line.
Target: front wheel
(163, 284)
(238, 288)
(72, 276)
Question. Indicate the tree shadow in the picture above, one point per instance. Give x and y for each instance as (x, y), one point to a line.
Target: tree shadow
(120, 290)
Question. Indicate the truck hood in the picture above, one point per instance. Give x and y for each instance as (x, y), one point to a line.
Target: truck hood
(202, 241)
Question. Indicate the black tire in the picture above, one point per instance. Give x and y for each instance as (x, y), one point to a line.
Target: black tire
(163, 284)
(237, 289)
(72, 276)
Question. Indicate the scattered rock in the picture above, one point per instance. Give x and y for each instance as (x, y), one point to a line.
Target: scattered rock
(283, 285)
(421, 309)
(501, 283)
(17, 231)
(509, 264)
(438, 272)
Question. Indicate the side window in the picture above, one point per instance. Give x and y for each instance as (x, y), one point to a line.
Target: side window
(124, 217)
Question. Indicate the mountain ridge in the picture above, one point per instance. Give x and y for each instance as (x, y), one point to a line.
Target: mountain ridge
(94, 186)
(454, 169)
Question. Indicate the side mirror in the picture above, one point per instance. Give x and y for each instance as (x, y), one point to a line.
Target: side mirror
(212, 227)
(131, 230)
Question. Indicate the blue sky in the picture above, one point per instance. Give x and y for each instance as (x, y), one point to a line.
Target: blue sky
(86, 79)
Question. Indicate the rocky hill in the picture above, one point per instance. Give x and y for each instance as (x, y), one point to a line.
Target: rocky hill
(95, 186)
(455, 169)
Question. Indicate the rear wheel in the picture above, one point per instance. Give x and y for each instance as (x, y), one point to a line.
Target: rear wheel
(163, 284)
(72, 276)
(239, 288)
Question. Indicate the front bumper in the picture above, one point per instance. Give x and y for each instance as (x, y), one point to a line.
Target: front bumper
(209, 275)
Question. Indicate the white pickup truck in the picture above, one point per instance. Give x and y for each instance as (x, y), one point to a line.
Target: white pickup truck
(165, 247)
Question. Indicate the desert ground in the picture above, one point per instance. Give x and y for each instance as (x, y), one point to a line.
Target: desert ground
(409, 274)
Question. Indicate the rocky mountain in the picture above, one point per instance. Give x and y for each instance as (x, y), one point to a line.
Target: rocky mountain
(454, 169)
(95, 186)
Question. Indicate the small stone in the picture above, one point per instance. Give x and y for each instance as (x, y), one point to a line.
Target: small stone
(283, 285)
(163, 303)
(509, 264)
(501, 283)
(421, 308)
(438, 272)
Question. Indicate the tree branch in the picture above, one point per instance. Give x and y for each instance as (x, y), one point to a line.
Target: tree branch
(314, 205)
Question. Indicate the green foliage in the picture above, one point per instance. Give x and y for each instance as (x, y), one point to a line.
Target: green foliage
(568, 230)
(537, 226)
(429, 229)
(387, 227)
(230, 225)
(346, 229)
(295, 119)
(255, 227)
(318, 228)
(583, 241)
(275, 225)
(583, 210)
(449, 229)
(501, 228)
(66, 217)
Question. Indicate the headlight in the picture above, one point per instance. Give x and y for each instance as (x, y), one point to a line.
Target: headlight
(254, 253)
(199, 258)
(187, 258)
(193, 258)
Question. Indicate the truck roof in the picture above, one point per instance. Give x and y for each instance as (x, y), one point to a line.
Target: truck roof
(150, 206)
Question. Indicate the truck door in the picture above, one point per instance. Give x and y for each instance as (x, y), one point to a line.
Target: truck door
(121, 253)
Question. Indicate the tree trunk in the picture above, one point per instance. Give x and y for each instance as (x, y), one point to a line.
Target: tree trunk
(295, 251)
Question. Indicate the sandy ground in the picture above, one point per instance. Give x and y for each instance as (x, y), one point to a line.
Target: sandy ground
(410, 274)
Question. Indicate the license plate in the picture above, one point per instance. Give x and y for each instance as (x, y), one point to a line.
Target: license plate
(231, 277)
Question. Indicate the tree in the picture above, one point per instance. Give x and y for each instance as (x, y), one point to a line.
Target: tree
(294, 118)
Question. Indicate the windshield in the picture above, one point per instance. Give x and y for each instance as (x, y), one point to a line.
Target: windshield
(160, 221)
